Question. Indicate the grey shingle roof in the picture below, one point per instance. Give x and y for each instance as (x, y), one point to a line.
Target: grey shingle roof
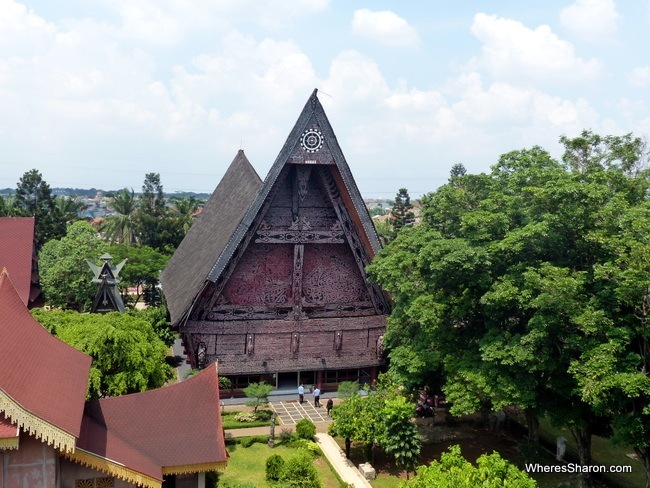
(189, 267)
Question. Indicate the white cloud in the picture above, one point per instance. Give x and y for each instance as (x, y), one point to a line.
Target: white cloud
(512, 51)
(639, 76)
(591, 20)
(384, 27)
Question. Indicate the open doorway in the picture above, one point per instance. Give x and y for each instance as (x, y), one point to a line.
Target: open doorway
(288, 381)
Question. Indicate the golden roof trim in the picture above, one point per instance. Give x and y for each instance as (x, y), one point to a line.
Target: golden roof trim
(36, 426)
(112, 468)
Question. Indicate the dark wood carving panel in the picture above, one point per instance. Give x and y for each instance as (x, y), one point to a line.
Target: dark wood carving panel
(262, 277)
(331, 275)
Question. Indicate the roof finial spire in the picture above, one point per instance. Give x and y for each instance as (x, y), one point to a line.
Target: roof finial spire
(4, 271)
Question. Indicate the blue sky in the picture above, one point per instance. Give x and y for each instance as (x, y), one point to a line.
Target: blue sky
(100, 92)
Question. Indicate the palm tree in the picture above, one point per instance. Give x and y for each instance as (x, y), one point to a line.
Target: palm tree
(184, 209)
(122, 226)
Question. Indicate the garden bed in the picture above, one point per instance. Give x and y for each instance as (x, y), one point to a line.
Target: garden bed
(241, 419)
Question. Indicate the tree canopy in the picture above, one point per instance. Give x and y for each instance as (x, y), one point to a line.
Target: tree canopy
(128, 356)
(65, 277)
(454, 471)
(516, 278)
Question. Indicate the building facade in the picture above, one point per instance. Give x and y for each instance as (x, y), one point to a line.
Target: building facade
(270, 280)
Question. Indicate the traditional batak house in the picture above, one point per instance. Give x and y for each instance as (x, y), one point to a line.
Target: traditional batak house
(50, 437)
(18, 257)
(106, 277)
(270, 279)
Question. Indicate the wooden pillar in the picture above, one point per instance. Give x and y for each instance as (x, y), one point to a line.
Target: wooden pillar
(374, 375)
(319, 379)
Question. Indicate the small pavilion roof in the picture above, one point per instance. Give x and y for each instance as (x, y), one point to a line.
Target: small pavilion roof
(17, 252)
(43, 381)
(171, 430)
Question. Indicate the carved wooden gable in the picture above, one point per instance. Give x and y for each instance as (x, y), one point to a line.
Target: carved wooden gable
(289, 290)
(304, 257)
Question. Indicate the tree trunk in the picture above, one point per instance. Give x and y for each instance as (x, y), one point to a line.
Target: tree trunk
(532, 423)
(348, 444)
(644, 456)
(583, 439)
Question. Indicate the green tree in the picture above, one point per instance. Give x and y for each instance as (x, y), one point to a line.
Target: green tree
(158, 317)
(123, 226)
(158, 227)
(381, 418)
(184, 209)
(7, 207)
(454, 471)
(65, 277)
(128, 357)
(400, 437)
(141, 272)
(402, 213)
(299, 471)
(34, 198)
(259, 392)
(499, 286)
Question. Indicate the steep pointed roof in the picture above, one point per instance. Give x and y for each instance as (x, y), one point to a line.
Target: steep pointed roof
(17, 253)
(186, 272)
(211, 243)
(171, 430)
(312, 115)
(43, 380)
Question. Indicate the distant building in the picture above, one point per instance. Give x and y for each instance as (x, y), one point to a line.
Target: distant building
(270, 280)
(106, 277)
(50, 437)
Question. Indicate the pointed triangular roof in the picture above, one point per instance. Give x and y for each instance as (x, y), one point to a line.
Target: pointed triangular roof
(17, 255)
(213, 240)
(186, 272)
(43, 380)
(312, 115)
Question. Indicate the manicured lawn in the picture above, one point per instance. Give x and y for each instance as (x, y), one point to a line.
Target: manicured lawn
(229, 422)
(249, 464)
(604, 452)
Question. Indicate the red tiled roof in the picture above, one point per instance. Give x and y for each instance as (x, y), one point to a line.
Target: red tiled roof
(17, 251)
(44, 377)
(154, 431)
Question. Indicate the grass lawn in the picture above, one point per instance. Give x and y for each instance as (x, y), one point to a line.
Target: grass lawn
(249, 464)
(604, 452)
(229, 422)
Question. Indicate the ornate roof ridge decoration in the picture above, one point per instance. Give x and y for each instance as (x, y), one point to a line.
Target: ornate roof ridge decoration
(112, 468)
(39, 428)
(193, 468)
(313, 110)
(8, 443)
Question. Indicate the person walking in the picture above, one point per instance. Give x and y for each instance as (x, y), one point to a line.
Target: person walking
(329, 405)
(301, 394)
(316, 397)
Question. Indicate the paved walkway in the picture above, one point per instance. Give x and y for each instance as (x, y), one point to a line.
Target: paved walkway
(292, 411)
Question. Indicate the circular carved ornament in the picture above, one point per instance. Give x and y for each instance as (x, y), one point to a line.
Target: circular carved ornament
(311, 140)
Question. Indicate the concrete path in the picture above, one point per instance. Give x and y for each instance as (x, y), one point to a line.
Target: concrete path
(291, 412)
(337, 459)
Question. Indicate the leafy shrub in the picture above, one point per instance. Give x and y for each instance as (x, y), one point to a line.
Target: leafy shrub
(245, 417)
(274, 465)
(307, 445)
(256, 439)
(299, 472)
(305, 429)
(264, 414)
(286, 436)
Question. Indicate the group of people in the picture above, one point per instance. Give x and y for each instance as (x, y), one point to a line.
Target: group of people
(316, 393)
